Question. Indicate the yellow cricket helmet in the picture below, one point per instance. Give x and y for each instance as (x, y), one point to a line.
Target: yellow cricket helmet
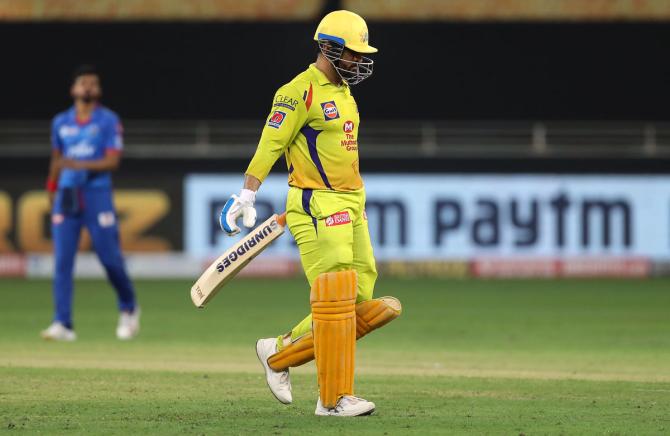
(343, 29)
(347, 29)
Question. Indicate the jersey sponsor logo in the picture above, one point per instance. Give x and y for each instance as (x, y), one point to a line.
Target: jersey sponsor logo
(277, 119)
(68, 131)
(80, 150)
(286, 100)
(284, 105)
(350, 143)
(337, 219)
(330, 111)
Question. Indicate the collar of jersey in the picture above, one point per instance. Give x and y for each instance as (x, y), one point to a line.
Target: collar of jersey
(73, 114)
(321, 78)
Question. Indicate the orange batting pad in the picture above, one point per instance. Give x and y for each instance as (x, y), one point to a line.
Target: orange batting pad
(333, 301)
(370, 315)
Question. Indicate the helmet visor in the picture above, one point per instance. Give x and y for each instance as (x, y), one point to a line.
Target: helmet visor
(350, 71)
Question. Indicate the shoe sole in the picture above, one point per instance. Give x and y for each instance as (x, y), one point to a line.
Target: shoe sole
(266, 369)
(129, 338)
(366, 413)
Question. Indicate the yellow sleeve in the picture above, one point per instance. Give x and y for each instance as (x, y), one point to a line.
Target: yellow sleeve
(287, 117)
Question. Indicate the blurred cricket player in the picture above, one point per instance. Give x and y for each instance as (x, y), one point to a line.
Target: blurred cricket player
(314, 123)
(86, 145)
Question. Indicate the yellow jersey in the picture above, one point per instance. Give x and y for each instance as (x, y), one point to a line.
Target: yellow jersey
(315, 124)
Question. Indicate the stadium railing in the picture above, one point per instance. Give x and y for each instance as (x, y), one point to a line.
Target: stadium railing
(379, 138)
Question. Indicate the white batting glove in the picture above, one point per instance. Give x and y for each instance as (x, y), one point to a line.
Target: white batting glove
(236, 206)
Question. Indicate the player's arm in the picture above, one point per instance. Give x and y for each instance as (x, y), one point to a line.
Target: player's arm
(283, 124)
(110, 162)
(287, 116)
(251, 183)
(54, 173)
(54, 163)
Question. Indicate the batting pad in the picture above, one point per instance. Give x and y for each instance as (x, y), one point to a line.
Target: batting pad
(370, 315)
(333, 301)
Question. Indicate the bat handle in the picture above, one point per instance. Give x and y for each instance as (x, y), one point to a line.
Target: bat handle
(281, 219)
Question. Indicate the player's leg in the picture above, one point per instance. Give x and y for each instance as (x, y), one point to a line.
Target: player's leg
(333, 301)
(364, 260)
(278, 380)
(65, 234)
(326, 253)
(100, 219)
(337, 247)
(322, 248)
(371, 314)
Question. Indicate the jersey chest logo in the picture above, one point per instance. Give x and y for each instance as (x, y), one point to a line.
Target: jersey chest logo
(330, 111)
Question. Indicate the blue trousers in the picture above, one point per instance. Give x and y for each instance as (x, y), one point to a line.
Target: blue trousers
(93, 208)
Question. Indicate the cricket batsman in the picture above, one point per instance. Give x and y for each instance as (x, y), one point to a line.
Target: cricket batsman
(314, 123)
(86, 148)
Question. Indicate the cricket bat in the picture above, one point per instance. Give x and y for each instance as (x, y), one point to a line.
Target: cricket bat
(233, 260)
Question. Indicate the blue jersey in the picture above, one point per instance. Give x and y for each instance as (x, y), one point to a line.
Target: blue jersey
(89, 140)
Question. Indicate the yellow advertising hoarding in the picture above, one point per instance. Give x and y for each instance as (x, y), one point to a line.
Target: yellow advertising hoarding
(310, 10)
(511, 10)
(159, 10)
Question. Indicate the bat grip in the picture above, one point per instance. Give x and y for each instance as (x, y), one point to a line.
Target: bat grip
(281, 219)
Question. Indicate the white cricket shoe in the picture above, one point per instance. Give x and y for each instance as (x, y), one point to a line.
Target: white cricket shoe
(58, 332)
(348, 405)
(129, 325)
(278, 382)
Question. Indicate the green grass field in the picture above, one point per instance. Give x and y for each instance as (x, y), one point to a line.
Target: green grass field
(478, 357)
